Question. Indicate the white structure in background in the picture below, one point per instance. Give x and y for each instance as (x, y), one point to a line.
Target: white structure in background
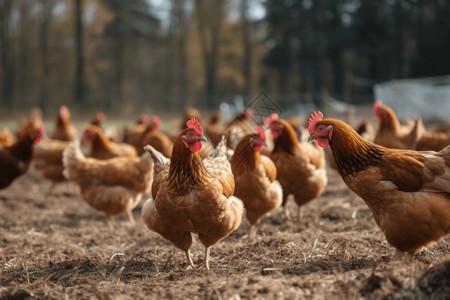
(427, 97)
(230, 110)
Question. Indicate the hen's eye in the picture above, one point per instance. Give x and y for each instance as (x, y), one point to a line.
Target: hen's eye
(189, 133)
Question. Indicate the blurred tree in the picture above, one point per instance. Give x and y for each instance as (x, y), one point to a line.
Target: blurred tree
(433, 39)
(210, 16)
(6, 53)
(79, 55)
(176, 81)
(132, 19)
(248, 49)
(46, 14)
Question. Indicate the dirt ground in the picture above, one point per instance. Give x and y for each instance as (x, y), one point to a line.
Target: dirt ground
(53, 246)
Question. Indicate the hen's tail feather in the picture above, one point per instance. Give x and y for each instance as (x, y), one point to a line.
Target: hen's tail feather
(157, 156)
(221, 149)
(72, 155)
(445, 154)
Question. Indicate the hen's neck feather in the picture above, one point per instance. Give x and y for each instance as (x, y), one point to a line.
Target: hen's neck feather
(100, 141)
(352, 152)
(187, 170)
(390, 122)
(23, 148)
(287, 141)
(244, 156)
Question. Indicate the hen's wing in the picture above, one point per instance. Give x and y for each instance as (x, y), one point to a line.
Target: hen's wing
(131, 172)
(161, 168)
(269, 167)
(412, 171)
(219, 167)
(50, 151)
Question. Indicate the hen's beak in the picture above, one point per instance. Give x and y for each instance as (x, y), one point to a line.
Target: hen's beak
(202, 138)
(311, 138)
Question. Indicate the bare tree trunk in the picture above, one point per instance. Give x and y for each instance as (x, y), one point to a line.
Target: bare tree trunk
(46, 15)
(209, 25)
(6, 54)
(183, 31)
(399, 39)
(247, 61)
(79, 68)
(119, 79)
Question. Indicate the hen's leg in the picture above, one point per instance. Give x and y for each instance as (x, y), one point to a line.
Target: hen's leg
(207, 258)
(251, 232)
(108, 221)
(131, 217)
(286, 212)
(300, 213)
(189, 260)
(50, 189)
(402, 256)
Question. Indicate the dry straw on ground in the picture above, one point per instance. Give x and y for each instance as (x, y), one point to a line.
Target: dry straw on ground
(53, 246)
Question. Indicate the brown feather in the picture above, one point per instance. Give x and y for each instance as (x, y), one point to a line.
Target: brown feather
(187, 170)
(407, 191)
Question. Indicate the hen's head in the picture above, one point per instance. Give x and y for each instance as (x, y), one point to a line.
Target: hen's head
(276, 127)
(381, 111)
(155, 123)
(101, 116)
(64, 113)
(192, 136)
(143, 119)
(320, 131)
(37, 134)
(258, 140)
(90, 133)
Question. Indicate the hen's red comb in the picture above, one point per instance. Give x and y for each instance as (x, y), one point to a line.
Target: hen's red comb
(101, 116)
(41, 130)
(316, 117)
(156, 120)
(193, 123)
(261, 132)
(63, 110)
(377, 105)
(273, 117)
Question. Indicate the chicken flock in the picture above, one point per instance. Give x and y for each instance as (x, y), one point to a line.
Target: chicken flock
(204, 175)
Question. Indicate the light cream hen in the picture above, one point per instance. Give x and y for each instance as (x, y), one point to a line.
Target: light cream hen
(113, 186)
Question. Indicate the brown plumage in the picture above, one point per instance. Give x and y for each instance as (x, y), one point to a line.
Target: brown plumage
(213, 129)
(98, 119)
(16, 158)
(7, 138)
(47, 159)
(134, 134)
(238, 127)
(366, 130)
(301, 168)
(295, 124)
(102, 148)
(34, 119)
(255, 178)
(158, 141)
(433, 141)
(64, 129)
(191, 195)
(407, 191)
(113, 186)
(391, 134)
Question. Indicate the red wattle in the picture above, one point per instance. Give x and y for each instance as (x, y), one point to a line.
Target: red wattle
(323, 142)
